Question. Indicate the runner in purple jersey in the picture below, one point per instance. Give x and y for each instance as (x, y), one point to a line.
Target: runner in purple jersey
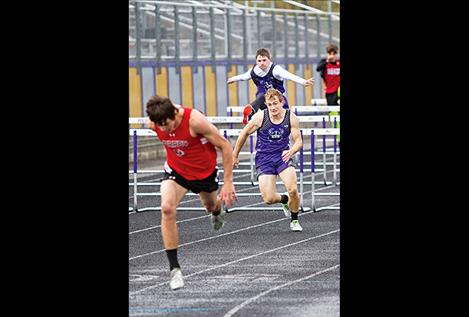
(274, 125)
(265, 75)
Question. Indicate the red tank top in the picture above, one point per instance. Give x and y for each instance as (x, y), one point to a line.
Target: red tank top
(192, 158)
(332, 75)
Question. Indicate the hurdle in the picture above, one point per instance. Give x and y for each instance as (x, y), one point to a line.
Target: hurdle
(231, 120)
(238, 120)
(228, 133)
(320, 101)
(296, 109)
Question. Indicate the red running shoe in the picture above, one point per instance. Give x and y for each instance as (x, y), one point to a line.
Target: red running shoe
(246, 113)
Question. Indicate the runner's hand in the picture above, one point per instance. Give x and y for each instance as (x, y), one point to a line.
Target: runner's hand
(286, 155)
(309, 82)
(228, 194)
(235, 161)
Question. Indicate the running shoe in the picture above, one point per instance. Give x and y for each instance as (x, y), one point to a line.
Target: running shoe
(247, 114)
(176, 280)
(295, 226)
(286, 209)
(218, 221)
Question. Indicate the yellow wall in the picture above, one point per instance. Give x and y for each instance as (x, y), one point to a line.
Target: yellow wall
(162, 82)
(186, 80)
(210, 91)
(233, 88)
(252, 91)
(162, 89)
(291, 87)
(308, 90)
(135, 97)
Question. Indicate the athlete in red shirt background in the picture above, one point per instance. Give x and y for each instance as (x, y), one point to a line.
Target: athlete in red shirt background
(190, 141)
(329, 68)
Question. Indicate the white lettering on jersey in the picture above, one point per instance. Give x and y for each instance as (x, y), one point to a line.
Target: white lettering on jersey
(176, 143)
(333, 71)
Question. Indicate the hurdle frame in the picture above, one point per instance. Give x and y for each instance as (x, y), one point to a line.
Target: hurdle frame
(234, 132)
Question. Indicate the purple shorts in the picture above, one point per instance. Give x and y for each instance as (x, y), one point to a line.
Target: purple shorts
(271, 167)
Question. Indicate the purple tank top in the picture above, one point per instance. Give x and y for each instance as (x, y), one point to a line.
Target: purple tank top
(273, 138)
(266, 82)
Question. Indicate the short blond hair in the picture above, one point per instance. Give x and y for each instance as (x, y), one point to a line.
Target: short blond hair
(272, 92)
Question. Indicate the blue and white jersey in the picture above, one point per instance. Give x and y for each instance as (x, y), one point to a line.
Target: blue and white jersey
(266, 82)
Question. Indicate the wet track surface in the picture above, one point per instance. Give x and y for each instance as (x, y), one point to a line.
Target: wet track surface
(253, 266)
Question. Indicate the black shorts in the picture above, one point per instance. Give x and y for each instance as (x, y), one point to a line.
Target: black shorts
(208, 184)
(258, 104)
(332, 99)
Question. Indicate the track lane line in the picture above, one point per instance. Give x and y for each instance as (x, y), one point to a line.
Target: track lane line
(252, 299)
(205, 216)
(221, 235)
(239, 260)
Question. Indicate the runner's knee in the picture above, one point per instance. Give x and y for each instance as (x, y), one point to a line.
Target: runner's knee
(168, 211)
(293, 192)
(269, 199)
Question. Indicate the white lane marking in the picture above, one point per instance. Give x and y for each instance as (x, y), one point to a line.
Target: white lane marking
(252, 299)
(239, 260)
(220, 235)
(210, 238)
(185, 220)
(154, 227)
(200, 217)
(240, 176)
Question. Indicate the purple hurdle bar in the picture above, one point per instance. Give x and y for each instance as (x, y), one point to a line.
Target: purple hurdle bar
(335, 153)
(301, 174)
(251, 149)
(313, 208)
(324, 153)
(135, 171)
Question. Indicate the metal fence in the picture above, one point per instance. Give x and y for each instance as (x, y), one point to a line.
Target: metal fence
(186, 50)
(175, 31)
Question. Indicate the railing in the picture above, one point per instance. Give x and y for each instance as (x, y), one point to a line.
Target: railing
(178, 30)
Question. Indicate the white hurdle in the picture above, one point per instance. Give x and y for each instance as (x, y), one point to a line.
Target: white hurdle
(313, 132)
(296, 109)
(215, 120)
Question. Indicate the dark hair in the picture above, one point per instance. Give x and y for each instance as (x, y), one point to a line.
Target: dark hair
(263, 52)
(159, 109)
(332, 48)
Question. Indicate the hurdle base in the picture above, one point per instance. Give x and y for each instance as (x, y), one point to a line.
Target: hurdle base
(302, 209)
(305, 209)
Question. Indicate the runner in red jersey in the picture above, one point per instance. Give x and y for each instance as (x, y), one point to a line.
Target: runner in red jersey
(329, 68)
(192, 157)
(190, 141)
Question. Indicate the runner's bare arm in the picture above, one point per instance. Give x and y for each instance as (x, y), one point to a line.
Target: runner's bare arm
(249, 129)
(296, 136)
(200, 125)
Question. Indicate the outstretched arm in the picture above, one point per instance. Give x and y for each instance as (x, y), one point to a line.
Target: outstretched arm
(245, 76)
(282, 74)
(200, 125)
